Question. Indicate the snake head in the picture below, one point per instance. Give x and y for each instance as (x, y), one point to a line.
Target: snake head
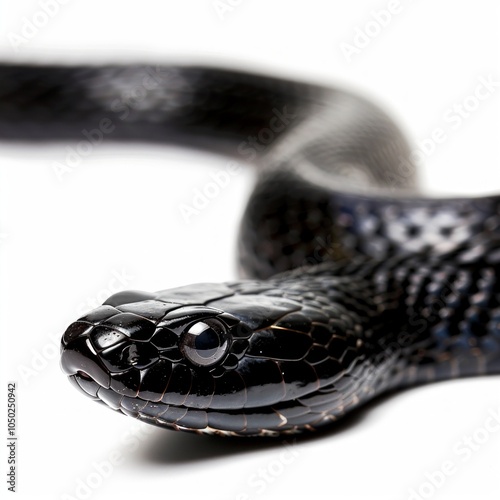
(241, 364)
(136, 348)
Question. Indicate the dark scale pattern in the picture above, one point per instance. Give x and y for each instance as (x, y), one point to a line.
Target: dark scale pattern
(381, 287)
(308, 346)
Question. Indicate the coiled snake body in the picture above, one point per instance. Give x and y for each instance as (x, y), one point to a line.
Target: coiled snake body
(356, 284)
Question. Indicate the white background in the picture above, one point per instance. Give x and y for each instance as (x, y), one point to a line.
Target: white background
(64, 241)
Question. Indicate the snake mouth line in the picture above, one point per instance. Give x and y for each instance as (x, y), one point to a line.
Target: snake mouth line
(264, 421)
(84, 376)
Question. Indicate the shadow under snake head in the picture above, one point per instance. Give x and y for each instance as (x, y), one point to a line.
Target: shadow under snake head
(226, 359)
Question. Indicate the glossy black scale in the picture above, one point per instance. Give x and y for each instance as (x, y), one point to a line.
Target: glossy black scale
(381, 286)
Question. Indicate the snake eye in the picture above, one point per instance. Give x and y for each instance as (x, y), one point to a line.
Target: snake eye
(205, 342)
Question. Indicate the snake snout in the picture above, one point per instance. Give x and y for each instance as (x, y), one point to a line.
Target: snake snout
(110, 347)
(79, 362)
(134, 349)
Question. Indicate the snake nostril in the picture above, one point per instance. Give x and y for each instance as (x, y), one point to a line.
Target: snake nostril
(127, 355)
(131, 355)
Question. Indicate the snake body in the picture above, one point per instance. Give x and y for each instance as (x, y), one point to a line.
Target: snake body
(354, 282)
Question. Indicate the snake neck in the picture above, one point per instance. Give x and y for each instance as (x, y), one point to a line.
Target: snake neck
(419, 318)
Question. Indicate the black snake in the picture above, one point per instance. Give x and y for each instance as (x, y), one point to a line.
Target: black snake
(355, 283)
